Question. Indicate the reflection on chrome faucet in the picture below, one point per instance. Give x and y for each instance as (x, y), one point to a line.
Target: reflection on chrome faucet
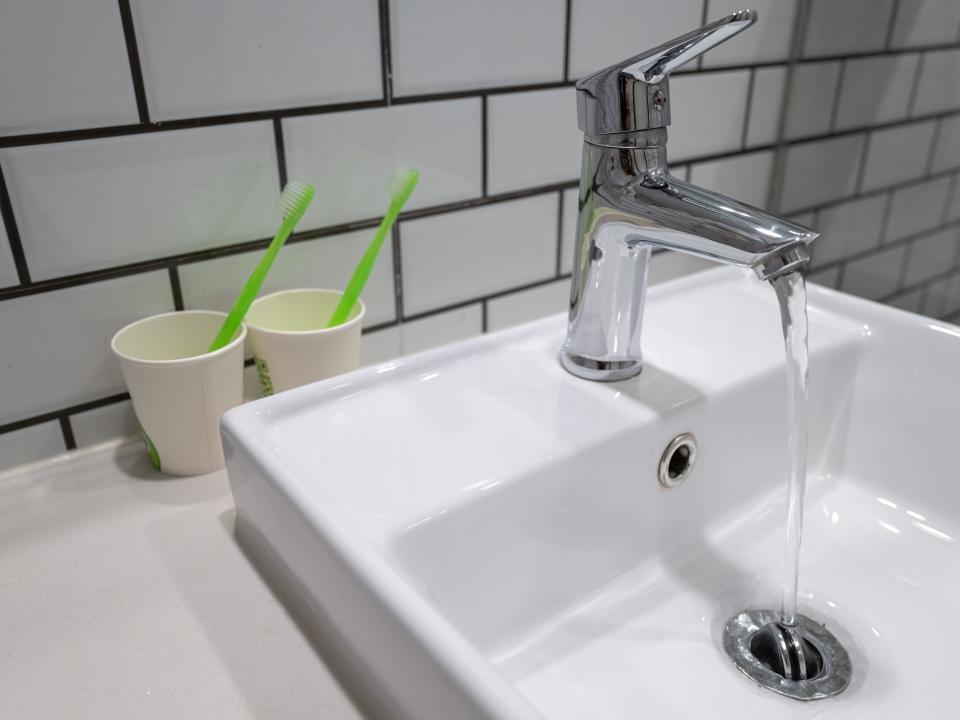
(630, 203)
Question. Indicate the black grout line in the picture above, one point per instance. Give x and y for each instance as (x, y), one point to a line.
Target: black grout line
(951, 189)
(133, 57)
(175, 288)
(566, 39)
(749, 109)
(704, 11)
(918, 73)
(386, 59)
(397, 272)
(63, 412)
(484, 327)
(891, 25)
(560, 194)
(931, 152)
(885, 220)
(484, 147)
(280, 148)
(13, 233)
(837, 94)
(862, 167)
(67, 429)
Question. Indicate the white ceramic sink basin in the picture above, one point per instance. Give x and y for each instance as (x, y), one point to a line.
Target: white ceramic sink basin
(482, 535)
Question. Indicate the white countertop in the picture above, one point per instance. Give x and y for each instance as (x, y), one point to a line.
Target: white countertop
(124, 594)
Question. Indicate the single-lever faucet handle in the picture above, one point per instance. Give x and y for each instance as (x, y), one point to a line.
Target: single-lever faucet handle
(634, 94)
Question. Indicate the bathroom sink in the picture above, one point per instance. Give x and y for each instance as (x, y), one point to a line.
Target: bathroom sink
(478, 534)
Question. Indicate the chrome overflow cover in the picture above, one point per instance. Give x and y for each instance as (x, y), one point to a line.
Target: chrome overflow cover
(803, 661)
(677, 460)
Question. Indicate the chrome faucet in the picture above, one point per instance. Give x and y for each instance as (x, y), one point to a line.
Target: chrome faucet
(630, 203)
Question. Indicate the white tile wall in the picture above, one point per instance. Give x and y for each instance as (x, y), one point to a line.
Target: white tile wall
(220, 56)
(916, 208)
(876, 275)
(603, 32)
(910, 301)
(30, 444)
(64, 66)
(458, 256)
(104, 423)
(744, 177)
(670, 265)
(61, 354)
(527, 305)
(947, 152)
(326, 262)
(939, 87)
(925, 22)
(379, 346)
(768, 40)
(847, 26)
(943, 297)
(820, 170)
(897, 154)
(932, 256)
(828, 278)
(765, 105)
(8, 270)
(568, 228)
(708, 113)
(440, 329)
(90, 204)
(811, 94)
(848, 229)
(532, 139)
(876, 89)
(442, 45)
(953, 211)
(351, 157)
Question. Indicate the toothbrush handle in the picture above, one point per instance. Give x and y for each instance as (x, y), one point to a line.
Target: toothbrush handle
(362, 273)
(251, 288)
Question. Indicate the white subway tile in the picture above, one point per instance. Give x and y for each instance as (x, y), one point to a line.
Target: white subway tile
(528, 305)
(811, 96)
(554, 156)
(8, 270)
(64, 66)
(568, 228)
(847, 26)
(101, 424)
(876, 275)
(828, 278)
(925, 22)
(766, 105)
(849, 229)
(351, 157)
(440, 45)
(220, 56)
(917, 208)
(897, 154)
(820, 170)
(323, 263)
(90, 204)
(744, 177)
(603, 32)
(947, 153)
(932, 256)
(938, 297)
(30, 444)
(939, 87)
(61, 355)
(671, 265)
(876, 90)
(708, 113)
(953, 210)
(462, 255)
(441, 329)
(911, 301)
(379, 346)
(768, 40)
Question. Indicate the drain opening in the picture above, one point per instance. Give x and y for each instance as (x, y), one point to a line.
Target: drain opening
(677, 460)
(785, 652)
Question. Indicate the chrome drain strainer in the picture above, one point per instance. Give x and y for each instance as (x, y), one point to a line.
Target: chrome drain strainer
(803, 661)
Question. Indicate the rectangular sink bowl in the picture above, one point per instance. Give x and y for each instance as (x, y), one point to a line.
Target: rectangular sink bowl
(480, 535)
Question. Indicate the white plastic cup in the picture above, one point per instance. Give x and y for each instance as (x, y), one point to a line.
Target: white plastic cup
(179, 390)
(291, 342)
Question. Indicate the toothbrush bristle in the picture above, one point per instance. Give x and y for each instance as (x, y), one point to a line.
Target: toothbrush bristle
(295, 198)
(404, 181)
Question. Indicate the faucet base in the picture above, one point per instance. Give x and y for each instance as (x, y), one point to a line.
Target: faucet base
(602, 370)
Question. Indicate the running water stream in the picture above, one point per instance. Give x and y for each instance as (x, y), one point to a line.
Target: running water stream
(792, 295)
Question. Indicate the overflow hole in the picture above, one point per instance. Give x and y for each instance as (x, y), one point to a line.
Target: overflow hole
(677, 460)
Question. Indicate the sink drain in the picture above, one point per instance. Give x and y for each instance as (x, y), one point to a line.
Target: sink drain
(803, 661)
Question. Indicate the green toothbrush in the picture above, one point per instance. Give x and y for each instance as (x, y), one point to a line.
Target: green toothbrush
(294, 200)
(402, 187)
